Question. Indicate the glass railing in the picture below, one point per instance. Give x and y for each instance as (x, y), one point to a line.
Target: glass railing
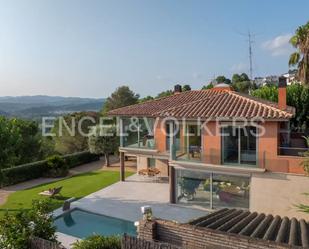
(144, 143)
(190, 153)
(194, 153)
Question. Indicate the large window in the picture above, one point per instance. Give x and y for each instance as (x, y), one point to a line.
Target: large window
(138, 133)
(212, 190)
(239, 145)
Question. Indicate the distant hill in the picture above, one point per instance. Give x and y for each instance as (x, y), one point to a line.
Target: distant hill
(35, 107)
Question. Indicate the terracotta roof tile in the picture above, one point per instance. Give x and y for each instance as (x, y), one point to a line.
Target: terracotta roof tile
(207, 104)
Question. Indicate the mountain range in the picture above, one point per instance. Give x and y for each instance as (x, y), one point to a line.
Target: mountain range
(35, 107)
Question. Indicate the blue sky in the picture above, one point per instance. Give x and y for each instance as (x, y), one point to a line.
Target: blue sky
(88, 48)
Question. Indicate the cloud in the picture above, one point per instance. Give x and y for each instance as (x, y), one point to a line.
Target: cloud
(279, 45)
(239, 68)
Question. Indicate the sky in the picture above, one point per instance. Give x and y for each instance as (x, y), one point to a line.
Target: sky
(88, 48)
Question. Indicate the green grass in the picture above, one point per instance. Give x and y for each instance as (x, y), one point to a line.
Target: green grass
(76, 186)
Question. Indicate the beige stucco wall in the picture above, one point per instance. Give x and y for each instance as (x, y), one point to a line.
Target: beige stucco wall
(162, 165)
(141, 162)
(278, 193)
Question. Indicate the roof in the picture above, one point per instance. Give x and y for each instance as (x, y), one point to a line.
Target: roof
(207, 104)
(259, 226)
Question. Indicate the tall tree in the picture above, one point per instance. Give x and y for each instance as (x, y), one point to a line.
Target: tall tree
(147, 98)
(164, 94)
(72, 131)
(123, 96)
(242, 83)
(186, 88)
(20, 142)
(300, 58)
(208, 86)
(223, 79)
(297, 96)
(103, 140)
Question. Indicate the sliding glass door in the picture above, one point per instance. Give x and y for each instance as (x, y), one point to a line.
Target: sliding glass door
(212, 190)
(239, 145)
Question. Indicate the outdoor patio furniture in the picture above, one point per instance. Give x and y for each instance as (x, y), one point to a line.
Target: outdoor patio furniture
(149, 172)
(51, 192)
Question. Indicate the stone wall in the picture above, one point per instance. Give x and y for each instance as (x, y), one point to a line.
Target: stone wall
(192, 237)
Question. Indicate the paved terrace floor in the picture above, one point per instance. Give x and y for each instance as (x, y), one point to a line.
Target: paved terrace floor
(125, 199)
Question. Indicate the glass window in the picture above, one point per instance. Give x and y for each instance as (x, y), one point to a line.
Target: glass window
(212, 190)
(139, 132)
(230, 144)
(193, 188)
(151, 162)
(239, 145)
(230, 191)
(248, 145)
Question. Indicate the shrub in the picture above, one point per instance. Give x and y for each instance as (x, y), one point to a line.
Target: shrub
(57, 166)
(16, 229)
(21, 173)
(80, 158)
(24, 172)
(99, 242)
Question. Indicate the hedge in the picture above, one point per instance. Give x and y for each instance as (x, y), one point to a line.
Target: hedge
(24, 172)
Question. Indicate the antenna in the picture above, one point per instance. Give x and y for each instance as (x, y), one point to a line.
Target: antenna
(250, 41)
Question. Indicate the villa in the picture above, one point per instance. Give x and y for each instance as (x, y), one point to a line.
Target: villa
(219, 148)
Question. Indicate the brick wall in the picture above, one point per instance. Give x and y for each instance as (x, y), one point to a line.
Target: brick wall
(192, 237)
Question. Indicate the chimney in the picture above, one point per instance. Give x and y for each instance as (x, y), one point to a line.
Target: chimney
(177, 89)
(282, 93)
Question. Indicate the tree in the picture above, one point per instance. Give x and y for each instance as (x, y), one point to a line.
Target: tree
(103, 140)
(20, 142)
(300, 58)
(186, 88)
(16, 229)
(297, 96)
(123, 96)
(208, 86)
(72, 131)
(223, 79)
(164, 94)
(267, 92)
(242, 83)
(147, 98)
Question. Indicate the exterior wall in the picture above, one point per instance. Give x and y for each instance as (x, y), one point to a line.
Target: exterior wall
(141, 162)
(192, 237)
(162, 165)
(211, 143)
(160, 136)
(277, 193)
(268, 157)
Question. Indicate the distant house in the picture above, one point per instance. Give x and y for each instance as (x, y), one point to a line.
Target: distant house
(219, 148)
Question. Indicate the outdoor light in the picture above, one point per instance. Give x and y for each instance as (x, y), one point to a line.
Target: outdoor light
(146, 212)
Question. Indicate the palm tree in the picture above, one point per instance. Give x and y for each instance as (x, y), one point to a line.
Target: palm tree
(300, 58)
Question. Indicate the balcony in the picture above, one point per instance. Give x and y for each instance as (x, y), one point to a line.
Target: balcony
(243, 158)
(147, 142)
(137, 133)
(292, 144)
(291, 151)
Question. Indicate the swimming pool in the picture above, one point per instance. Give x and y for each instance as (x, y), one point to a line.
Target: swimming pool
(81, 224)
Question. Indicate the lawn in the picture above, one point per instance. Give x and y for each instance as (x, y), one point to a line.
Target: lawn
(76, 186)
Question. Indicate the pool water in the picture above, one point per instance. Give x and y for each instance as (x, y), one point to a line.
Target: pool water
(81, 224)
